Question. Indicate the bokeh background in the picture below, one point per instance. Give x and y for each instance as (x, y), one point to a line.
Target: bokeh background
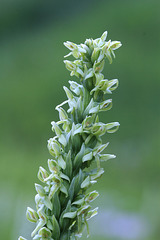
(32, 74)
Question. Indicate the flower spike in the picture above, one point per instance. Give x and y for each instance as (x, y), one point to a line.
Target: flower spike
(63, 200)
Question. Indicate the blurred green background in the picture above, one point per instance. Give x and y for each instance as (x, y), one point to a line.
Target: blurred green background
(32, 74)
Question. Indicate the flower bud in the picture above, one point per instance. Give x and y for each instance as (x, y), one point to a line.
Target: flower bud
(106, 105)
(76, 88)
(91, 196)
(115, 45)
(83, 210)
(54, 147)
(95, 54)
(98, 129)
(56, 128)
(53, 166)
(88, 121)
(42, 174)
(31, 215)
(98, 66)
(70, 45)
(69, 65)
(45, 233)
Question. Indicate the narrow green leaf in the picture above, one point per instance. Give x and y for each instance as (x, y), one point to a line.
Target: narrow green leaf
(40, 224)
(62, 175)
(61, 162)
(56, 229)
(86, 182)
(78, 202)
(64, 190)
(56, 205)
(70, 214)
(47, 202)
(87, 157)
(68, 169)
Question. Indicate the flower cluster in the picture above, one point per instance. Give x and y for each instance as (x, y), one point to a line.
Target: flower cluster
(63, 200)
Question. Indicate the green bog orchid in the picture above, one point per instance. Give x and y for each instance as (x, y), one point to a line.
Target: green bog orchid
(63, 200)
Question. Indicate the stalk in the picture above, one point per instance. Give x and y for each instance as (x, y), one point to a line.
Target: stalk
(63, 200)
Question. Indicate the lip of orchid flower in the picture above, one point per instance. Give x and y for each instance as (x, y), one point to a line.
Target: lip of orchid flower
(62, 200)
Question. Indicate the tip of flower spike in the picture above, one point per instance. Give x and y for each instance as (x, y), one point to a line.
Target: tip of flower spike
(104, 36)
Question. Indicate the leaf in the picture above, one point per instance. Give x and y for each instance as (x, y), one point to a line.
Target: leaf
(56, 205)
(47, 202)
(62, 175)
(94, 109)
(70, 214)
(64, 190)
(56, 229)
(78, 130)
(68, 169)
(61, 162)
(87, 157)
(89, 74)
(71, 189)
(86, 182)
(96, 173)
(53, 189)
(62, 221)
(78, 202)
(62, 140)
(79, 156)
(78, 180)
(40, 224)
